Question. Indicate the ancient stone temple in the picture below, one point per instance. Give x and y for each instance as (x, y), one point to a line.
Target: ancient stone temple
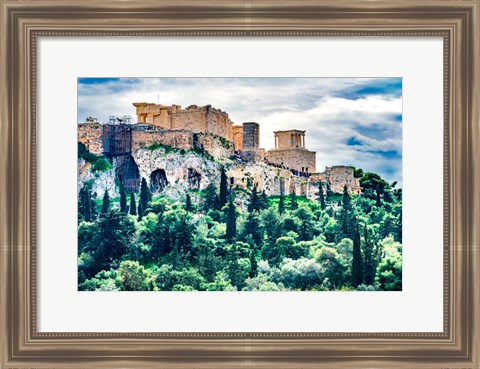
(193, 118)
(290, 152)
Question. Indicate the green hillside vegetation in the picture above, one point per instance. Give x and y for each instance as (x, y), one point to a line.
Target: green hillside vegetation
(208, 243)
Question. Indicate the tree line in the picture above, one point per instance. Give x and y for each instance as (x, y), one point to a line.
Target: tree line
(212, 241)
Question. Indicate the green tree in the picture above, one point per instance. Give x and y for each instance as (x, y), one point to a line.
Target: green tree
(223, 188)
(211, 199)
(281, 203)
(357, 267)
(321, 197)
(263, 201)
(133, 206)
(389, 274)
(131, 276)
(307, 227)
(145, 195)
(188, 203)
(368, 259)
(373, 186)
(293, 201)
(346, 200)
(140, 210)
(105, 202)
(347, 218)
(123, 198)
(160, 239)
(86, 207)
(252, 227)
(253, 265)
(233, 267)
(112, 239)
(254, 204)
(231, 231)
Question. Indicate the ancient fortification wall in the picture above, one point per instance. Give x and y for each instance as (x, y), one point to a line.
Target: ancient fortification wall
(90, 134)
(238, 137)
(180, 139)
(301, 160)
(251, 141)
(216, 146)
(341, 175)
(194, 118)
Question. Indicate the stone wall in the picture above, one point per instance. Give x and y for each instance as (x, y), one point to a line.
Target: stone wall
(194, 118)
(216, 146)
(220, 124)
(298, 159)
(90, 134)
(339, 176)
(251, 141)
(180, 139)
(238, 137)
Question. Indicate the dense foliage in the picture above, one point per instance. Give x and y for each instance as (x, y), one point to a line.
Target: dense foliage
(210, 241)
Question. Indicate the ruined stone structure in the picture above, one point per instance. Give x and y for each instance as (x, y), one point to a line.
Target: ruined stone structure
(90, 134)
(290, 152)
(340, 175)
(193, 118)
(238, 137)
(251, 141)
(177, 149)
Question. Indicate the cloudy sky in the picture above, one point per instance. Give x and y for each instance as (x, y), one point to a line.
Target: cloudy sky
(348, 121)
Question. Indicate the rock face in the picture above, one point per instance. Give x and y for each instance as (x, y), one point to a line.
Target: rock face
(101, 181)
(173, 171)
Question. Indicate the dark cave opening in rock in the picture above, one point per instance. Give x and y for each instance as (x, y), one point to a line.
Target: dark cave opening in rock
(128, 173)
(193, 179)
(158, 181)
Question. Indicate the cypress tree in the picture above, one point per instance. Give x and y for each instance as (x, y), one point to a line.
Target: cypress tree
(293, 201)
(321, 197)
(145, 195)
(252, 227)
(210, 202)
(161, 239)
(263, 200)
(368, 259)
(188, 203)
(140, 210)
(233, 267)
(254, 200)
(133, 207)
(253, 265)
(93, 205)
(85, 203)
(223, 188)
(231, 231)
(347, 202)
(377, 192)
(281, 203)
(357, 267)
(123, 199)
(105, 203)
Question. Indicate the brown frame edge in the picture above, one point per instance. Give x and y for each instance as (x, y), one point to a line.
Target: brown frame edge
(22, 22)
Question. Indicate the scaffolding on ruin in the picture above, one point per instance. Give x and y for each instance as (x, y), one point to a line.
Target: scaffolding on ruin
(117, 140)
(116, 120)
(117, 144)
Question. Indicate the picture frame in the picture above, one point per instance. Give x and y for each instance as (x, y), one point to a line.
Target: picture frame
(24, 22)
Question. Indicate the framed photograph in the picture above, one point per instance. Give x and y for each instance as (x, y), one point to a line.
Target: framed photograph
(201, 184)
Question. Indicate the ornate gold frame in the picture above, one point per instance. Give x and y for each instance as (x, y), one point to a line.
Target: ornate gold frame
(457, 22)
